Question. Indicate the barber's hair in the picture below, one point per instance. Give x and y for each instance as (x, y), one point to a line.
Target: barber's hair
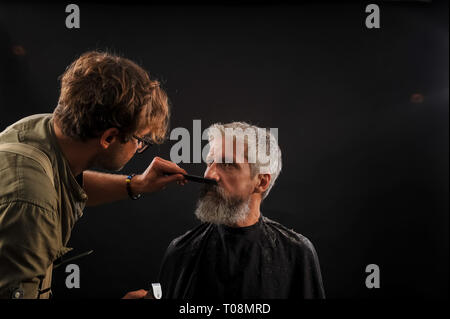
(261, 135)
(101, 90)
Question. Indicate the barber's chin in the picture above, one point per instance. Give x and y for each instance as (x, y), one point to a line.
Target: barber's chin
(115, 167)
(105, 163)
(112, 168)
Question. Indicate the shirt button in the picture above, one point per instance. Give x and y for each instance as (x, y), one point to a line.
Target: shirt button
(84, 196)
(17, 294)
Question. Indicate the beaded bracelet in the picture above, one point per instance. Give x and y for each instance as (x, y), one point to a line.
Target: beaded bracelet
(128, 180)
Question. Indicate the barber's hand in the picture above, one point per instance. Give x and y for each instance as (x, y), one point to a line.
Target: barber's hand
(155, 176)
(137, 294)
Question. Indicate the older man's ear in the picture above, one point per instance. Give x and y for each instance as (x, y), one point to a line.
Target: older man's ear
(263, 183)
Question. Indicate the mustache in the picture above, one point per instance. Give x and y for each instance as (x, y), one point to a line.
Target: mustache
(208, 188)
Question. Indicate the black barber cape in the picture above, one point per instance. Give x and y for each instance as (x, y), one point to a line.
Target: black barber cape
(262, 261)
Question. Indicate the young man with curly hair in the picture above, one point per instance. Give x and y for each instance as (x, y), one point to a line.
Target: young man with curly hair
(108, 110)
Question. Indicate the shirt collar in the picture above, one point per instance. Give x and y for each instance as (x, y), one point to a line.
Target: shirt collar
(65, 173)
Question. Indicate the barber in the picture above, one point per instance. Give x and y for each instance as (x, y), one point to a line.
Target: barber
(108, 110)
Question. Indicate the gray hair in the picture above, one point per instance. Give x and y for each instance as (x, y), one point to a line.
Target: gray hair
(258, 141)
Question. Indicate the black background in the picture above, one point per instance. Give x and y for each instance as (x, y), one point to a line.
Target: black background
(365, 164)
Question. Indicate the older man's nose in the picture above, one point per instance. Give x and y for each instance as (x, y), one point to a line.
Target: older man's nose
(211, 173)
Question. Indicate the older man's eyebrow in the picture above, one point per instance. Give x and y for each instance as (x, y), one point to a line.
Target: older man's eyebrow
(230, 160)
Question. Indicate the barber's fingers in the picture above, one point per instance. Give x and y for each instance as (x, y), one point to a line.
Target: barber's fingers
(173, 178)
(165, 161)
(137, 294)
(164, 166)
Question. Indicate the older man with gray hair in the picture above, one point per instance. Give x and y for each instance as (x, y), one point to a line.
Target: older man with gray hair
(236, 252)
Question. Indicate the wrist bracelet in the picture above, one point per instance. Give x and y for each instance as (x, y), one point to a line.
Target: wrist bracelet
(128, 181)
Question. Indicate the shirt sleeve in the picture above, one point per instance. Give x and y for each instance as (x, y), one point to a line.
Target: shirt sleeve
(29, 242)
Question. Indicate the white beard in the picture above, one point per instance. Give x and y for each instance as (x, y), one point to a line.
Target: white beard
(215, 207)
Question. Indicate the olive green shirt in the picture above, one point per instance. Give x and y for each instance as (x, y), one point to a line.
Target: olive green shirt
(36, 219)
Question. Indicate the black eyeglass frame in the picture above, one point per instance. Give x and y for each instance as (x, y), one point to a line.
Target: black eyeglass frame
(145, 142)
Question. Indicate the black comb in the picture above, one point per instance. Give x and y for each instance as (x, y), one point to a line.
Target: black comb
(197, 179)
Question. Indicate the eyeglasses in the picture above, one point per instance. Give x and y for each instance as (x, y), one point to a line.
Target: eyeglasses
(143, 144)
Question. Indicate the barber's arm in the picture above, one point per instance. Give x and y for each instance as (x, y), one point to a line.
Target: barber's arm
(103, 188)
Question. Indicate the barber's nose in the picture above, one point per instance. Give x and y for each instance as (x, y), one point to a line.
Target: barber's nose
(211, 172)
